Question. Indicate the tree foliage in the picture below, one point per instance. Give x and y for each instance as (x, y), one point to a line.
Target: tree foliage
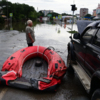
(88, 15)
(1, 20)
(20, 11)
(53, 14)
(40, 14)
(64, 14)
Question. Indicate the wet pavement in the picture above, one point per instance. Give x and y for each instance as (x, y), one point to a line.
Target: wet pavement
(46, 35)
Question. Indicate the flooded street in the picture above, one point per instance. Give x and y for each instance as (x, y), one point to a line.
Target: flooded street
(46, 35)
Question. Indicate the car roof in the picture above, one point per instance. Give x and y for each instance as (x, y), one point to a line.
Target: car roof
(82, 25)
(94, 24)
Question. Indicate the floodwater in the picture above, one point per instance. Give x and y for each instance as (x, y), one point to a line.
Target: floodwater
(46, 35)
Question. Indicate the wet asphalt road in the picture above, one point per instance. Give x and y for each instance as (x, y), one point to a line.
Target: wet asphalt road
(46, 35)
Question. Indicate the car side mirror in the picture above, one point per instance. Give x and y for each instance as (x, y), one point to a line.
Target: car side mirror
(76, 36)
(70, 37)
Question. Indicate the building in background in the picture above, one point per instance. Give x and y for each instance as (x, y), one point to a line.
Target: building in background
(46, 12)
(78, 16)
(94, 12)
(83, 12)
(98, 10)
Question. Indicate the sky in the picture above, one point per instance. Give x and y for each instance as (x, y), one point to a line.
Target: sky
(60, 6)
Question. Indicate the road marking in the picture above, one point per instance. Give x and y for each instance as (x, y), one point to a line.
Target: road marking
(2, 93)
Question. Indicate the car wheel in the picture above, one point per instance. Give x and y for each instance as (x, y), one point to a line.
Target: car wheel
(96, 95)
(69, 62)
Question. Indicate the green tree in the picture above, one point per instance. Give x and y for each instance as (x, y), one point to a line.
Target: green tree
(20, 11)
(4, 0)
(53, 14)
(88, 15)
(1, 20)
(64, 14)
(40, 13)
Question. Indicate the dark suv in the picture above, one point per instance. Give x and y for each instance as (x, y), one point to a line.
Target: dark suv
(84, 58)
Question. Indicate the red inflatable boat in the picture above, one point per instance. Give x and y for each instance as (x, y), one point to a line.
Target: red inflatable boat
(11, 73)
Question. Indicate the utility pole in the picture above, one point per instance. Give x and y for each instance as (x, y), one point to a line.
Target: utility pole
(37, 9)
(73, 15)
(11, 15)
(7, 13)
(73, 1)
(7, 7)
(73, 8)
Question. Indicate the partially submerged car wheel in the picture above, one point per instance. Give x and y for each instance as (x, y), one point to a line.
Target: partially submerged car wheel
(69, 62)
(96, 95)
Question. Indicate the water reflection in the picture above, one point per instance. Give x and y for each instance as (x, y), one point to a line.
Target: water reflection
(20, 26)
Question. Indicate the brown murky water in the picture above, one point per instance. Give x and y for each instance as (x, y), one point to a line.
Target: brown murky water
(46, 35)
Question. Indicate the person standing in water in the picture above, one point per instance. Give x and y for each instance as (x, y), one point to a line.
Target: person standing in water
(30, 37)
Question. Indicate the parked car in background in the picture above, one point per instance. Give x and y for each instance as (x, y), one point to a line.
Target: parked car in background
(84, 58)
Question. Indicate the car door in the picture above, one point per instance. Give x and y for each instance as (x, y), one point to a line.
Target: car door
(92, 59)
(79, 50)
(80, 46)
